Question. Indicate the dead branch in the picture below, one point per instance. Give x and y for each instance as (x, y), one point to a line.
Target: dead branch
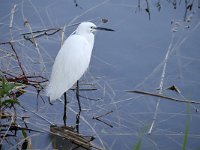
(42, 31)
(36, 34)
(74, 137)
(104, 114)
(98, 118)
(26, 80)
(84, 89)
(164, 97)
(104, 122)
(7, 130)
(45, 32)
(16, 127)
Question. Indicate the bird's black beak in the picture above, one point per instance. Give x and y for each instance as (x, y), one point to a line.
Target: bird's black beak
(104, 29)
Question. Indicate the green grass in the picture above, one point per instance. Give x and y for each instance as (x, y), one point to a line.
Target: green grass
(138, 144)
(7, 94)
(187, 125)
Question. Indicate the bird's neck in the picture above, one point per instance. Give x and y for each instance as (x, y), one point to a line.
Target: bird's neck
(90, 38)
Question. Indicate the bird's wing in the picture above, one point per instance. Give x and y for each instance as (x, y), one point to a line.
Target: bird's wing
(70, 64)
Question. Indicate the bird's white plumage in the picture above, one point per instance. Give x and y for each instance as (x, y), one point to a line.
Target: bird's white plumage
(71, 61)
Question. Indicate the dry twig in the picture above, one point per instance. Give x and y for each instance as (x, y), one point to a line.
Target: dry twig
(98, 118)
(164, 97)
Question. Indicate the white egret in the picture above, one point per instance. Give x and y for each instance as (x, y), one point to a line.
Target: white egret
(72, 60)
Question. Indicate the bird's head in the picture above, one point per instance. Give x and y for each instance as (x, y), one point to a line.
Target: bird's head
(89, 27)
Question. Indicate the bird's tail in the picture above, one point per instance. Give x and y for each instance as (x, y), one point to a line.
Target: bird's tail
(52, 93)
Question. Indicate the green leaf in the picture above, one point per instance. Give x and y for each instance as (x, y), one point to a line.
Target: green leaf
(1, 92)
(2, 87)
(6, 87)
(187, 125)
(24, 133)
(137, 146)
(185, 136)
(9, 101)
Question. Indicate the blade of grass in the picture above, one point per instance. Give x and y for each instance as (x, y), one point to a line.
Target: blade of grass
(24, 133)
(9, 101)
(187, 124)
(137, 145)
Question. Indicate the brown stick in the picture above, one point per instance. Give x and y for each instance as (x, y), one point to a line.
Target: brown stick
(40, 33)
(165, 97)
(16, 127)
(103, 114)
(43, 31)
(99, 118)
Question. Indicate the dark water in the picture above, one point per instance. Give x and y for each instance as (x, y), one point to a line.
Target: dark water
(132, 58)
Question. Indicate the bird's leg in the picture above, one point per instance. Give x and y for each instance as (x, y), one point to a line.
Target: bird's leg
(78, 121)
(79, 105)
(77, 96)
(65, 109)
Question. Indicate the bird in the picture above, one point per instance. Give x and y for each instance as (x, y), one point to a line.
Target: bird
(72, 60)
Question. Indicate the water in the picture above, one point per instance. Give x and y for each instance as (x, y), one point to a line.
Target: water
(132, 58)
